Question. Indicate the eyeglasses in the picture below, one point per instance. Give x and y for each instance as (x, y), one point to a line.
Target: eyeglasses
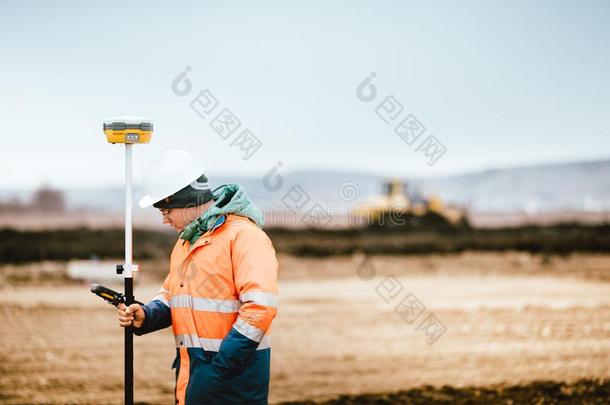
(165, 211)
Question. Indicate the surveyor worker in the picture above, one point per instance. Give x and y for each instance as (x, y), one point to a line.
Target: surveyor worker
(220, 295)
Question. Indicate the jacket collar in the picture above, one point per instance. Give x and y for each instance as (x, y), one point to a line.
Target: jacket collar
(206, 238)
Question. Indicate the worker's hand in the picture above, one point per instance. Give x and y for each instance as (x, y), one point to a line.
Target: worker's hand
(132, 315)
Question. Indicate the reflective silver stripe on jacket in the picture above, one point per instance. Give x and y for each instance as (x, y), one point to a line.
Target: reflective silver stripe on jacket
(205, 304)
(212, 345)
(260, 297)
(249, 331)
(161, 298)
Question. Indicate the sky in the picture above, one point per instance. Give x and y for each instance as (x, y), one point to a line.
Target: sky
(497, 83)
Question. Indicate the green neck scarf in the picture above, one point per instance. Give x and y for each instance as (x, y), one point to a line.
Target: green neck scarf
(228, 199)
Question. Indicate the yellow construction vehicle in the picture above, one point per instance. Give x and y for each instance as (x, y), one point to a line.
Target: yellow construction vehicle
(395, 207)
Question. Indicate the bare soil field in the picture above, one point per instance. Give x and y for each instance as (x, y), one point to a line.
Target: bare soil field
(342, 329)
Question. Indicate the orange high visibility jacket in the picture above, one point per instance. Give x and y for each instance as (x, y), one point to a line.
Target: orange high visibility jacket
(220, 297)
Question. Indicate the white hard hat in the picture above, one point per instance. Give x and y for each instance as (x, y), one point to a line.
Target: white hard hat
(167, 174)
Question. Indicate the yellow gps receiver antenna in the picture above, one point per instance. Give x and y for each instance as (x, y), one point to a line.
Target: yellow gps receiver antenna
(128, 130)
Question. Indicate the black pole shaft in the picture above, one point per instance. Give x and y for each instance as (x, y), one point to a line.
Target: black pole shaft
(129, 346)
(128, 275)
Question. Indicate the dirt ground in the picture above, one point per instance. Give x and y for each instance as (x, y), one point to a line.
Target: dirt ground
(507, 318)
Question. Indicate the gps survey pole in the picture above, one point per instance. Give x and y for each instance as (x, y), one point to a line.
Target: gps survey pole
(128, 131)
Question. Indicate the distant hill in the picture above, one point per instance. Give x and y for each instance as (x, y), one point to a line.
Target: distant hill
(582, 186)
